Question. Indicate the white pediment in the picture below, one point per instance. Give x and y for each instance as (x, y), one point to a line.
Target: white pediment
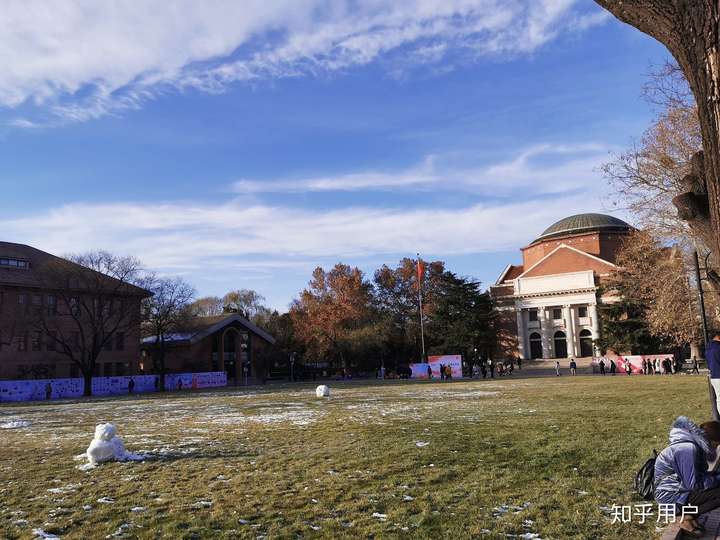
(555, 283)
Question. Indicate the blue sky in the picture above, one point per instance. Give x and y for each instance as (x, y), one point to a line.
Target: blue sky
(241, 144)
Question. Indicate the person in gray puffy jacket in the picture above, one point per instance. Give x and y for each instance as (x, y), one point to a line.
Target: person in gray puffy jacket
(681, 470)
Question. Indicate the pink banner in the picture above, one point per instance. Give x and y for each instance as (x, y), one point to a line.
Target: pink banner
(452, 360)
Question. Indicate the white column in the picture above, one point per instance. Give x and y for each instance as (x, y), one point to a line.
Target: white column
(569, 330)
(521, 333)
(595, 323)
(573, 345)
(544, 327)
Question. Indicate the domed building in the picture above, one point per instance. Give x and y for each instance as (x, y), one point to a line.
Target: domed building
(548, 305)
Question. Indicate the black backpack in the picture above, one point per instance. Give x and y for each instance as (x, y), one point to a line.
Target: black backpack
(645, 479)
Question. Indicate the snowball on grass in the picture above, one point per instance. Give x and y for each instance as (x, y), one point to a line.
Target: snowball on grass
(322, 391)
(107, 446)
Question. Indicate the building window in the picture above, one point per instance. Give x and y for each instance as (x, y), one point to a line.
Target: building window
(108, 344)
(36, 341)
(582, 311)
(533, 315)
(21, 342)
(52, 336)
(22, 299)
(120, 341)
(560, 345)
(535, 346)
(557, 314)
(36, 303)
(51, 305)
(74, 306)
(13, 263)
(586, 343)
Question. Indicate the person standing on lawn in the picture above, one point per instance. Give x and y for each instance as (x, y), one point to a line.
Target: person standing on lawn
(573, 366)
(695, 365)
(712, 356)
(681, 471)
(612, 367)
(628, 367)
(557, 368)
(519, 361)
(602, 367)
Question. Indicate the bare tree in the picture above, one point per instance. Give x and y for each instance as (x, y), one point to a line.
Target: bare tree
(246, 302)
(97, 296)
(165, 312)
(690, 31)
(207, 306)
(647, 176)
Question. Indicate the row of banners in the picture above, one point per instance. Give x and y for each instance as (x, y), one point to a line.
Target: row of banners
(40, 389)
(433, 365)
(635, 361)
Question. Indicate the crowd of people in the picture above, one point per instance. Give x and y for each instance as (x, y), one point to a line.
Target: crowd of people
(488, 368)
(649, 366)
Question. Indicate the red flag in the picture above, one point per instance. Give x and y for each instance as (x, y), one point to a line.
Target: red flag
(420, 270)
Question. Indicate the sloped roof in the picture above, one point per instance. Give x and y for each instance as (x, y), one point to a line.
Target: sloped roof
(555, 253)
(510, 272)
(37, 259)
(198, 328)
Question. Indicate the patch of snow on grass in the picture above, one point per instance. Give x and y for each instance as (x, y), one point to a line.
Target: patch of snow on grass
(274, 416)
(16, 424)
(39, 533)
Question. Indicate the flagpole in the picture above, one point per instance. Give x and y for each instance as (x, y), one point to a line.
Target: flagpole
(422, 330)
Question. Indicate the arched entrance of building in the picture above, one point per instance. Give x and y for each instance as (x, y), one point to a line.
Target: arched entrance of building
(234, 353)
(586, 343)
(560, 344)
(535, 346)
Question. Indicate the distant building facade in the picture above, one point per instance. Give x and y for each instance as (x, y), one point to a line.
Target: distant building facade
(548, 304)
(27, 349)
(229, 343)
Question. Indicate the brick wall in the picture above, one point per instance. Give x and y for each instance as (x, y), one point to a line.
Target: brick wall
(26, 352)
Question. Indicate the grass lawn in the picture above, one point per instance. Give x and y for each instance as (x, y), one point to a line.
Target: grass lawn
(387, 460)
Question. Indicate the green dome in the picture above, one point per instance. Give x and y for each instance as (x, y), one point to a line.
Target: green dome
(581, 223)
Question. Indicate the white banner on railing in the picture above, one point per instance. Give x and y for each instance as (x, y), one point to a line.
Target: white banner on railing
(42, 389)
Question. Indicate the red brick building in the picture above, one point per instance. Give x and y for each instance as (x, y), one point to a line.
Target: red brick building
(229, 343)
(36, 318)
(548, 304)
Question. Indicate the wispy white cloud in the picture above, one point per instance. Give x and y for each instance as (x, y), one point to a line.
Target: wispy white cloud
(201, 237)
(78, 59)
(539, 169)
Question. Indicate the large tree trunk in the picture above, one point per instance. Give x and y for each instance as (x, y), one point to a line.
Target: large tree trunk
(87, 382)
(689, 29)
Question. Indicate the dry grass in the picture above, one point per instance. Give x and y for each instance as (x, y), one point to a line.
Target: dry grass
(279, 463)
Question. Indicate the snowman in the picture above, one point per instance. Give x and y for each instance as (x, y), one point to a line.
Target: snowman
(107, 446)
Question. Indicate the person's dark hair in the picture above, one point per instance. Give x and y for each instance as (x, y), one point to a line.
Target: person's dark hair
(712, 430)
